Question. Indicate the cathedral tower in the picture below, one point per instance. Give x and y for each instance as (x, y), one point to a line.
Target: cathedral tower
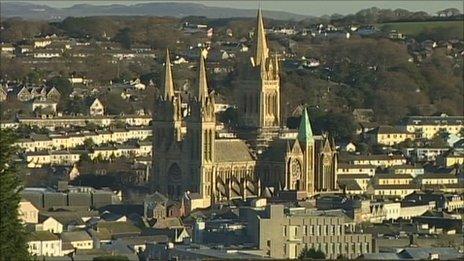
(259, 98)
(167, 120)
(201, 133)
(306, 139)
(326, 164)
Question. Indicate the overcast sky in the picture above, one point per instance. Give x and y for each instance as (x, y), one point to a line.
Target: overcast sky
(308, 7)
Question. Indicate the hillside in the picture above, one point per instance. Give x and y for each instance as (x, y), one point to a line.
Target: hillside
(44, 12)
(447, 29)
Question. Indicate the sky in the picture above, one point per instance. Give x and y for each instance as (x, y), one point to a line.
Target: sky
(308, 7)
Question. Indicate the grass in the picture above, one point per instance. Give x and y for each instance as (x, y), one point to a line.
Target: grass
(416, 28)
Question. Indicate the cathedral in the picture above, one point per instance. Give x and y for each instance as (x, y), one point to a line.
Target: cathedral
(262, 160)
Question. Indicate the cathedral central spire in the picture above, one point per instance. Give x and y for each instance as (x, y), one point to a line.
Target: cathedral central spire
(202, 90)
(261, 44)
(168, 83)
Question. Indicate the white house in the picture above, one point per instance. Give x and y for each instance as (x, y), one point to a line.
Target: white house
(97, 108)
(44, 243)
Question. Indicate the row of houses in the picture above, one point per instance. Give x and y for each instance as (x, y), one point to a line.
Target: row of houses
(390, 185)
(83, 221)
(39, 142)
(69, 157)
(415, 127)
(80, 121)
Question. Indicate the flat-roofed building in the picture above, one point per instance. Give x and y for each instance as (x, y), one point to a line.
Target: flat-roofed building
(343, 169)
(388, 135)
(379, 160)
(407, 169)
(428, 126)
(284, 233)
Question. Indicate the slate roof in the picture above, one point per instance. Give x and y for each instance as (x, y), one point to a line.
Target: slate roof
(41, 236)
(119, 227)
(355, 166)
(375, 157)
(386, 130)
(232, 150)
(353, 176)
(350, 184)
(396, 186)
(381, 256)
(393, 176)
(70, 236)
(438, 176)
(169, 223)
(433, 120)
(423, 253)
(68, 217)
(406, 166)
(101, 234)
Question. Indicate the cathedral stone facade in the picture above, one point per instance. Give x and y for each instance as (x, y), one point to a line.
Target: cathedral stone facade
(262, 162)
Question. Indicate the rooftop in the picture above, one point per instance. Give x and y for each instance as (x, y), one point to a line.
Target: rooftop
(42, 236)
(70, 236)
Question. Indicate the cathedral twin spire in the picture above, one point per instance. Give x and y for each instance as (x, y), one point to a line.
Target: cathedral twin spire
(201, 93)
(262, 52)
(168, 82)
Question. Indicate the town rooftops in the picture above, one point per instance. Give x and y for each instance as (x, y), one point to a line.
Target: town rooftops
(231, 150)
(39, 137)
(353, 176)
(101, 233)
(433, 120)
(350, 184)
(117, 228)
(42, 236)
(355, 166)
(422, 253)
(375, 157)
(70, 236)
(406, 166)
(438, 176)
(393, 176)
(396, 186)
(386, 130)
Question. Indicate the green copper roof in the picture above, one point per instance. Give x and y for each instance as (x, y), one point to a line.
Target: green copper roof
(305, 133)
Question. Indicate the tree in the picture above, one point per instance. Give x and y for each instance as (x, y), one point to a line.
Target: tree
(88, 143)
(124, 37)
(110, 258)
(12, 232)
(311, 254)
(62, 84)
(449, 12)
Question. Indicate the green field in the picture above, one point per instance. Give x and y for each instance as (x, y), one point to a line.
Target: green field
(416, 28)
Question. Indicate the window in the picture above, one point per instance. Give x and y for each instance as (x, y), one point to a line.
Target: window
(284, 231)
(305, 230)
(268, 243)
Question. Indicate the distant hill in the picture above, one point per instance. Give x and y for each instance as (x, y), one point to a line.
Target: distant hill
(44, 12)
